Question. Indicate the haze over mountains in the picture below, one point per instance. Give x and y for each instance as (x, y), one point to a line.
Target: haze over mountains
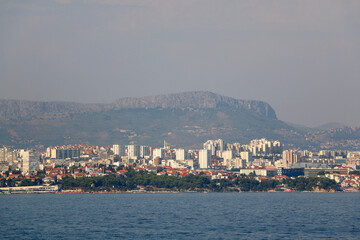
(183, 119)
(19, 109)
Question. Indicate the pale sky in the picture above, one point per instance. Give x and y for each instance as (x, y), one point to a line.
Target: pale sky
(302, 57)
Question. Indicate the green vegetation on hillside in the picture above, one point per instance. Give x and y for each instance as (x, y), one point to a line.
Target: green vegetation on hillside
(181, 127)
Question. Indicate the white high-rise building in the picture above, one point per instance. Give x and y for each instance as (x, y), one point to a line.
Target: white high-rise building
(227, 155)
(53, 153)
(116, 149)
(247, 156)
(7, 155)
(158, 152)
(30, 161)
(144, 151)
(62, 153)
(3, 154)
(221, 144)
(119, 150)
(180, 154)
(204, 158)
(210, 146)
(265, 147)
(214, 145)
(239, 163)
(133, 151)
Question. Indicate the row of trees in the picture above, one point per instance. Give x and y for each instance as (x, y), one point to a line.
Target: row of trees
(150, 181)
(19, 182)
(131, 180)
(191, 182)
(308, 184)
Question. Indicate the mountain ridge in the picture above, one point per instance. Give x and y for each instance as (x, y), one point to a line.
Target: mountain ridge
(183, 119)
(195, 99)
(18, 109)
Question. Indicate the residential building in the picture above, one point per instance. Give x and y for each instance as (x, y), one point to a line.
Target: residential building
(30, 161)
(204, 158)
(133, 151)
(180, 154)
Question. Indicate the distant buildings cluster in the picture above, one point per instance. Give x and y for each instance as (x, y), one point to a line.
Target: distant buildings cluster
(260, 157)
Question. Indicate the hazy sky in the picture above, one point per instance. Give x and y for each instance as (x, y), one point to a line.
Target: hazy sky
(302, 57)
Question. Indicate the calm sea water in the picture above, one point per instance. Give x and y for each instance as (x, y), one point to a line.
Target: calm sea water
(181, 216)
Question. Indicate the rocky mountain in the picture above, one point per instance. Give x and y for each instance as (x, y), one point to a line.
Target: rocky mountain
(26, 110)
(20, 109)
(184, 120)
(200, 99)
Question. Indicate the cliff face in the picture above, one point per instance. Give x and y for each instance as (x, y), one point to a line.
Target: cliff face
(198, 99)
(24, 110)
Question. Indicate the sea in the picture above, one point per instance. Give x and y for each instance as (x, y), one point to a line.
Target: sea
(181, 216)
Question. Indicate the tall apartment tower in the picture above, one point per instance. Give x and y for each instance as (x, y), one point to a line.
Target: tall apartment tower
(246, 155)
(289, 157)
(227, 155)
(158, 152)
(204, 158)
(133, 151)
(3, 152)
(180, 154)
(116, 149)
(144, 151)
(119, 150)
(30, 161)
(214, 145)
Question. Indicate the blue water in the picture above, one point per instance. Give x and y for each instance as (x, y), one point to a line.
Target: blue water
(181, 216)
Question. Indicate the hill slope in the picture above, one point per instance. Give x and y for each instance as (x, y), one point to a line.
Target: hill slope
(198, 99)
(182, 119)
(20, 109)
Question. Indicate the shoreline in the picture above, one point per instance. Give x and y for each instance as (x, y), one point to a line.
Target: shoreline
(161, 192)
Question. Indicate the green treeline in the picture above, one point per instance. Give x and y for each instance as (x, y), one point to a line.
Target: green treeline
(19, 182)
(250, 184)
(151, 182)
(308, 184)
(148, 180)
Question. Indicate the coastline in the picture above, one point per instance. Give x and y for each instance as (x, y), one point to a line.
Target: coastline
(169, 191)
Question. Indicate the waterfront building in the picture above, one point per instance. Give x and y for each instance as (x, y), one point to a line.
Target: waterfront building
(259, 172)
(290, 172)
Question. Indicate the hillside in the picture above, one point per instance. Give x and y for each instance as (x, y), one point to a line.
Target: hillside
(20, 109)
(184, 120)
(195, 100)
